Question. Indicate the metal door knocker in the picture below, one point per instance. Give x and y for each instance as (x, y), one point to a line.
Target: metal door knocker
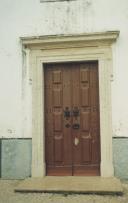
(67, 112)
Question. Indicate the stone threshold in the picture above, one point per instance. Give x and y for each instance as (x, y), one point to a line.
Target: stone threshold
(71, 184)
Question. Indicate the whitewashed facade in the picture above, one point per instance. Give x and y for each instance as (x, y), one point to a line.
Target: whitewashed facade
(39, 18)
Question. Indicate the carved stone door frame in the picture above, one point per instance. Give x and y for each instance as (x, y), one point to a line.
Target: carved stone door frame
(70, 48)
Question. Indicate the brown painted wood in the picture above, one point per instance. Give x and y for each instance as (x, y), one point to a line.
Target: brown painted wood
(72, 87)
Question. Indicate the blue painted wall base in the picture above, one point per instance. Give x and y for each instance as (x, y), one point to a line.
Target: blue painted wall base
(16, 156)
(120, 157)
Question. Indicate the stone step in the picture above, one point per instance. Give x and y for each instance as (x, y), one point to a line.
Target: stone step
(71, 184)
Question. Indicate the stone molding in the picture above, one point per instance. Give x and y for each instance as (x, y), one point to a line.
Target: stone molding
(70, 48)
(109, 36)
(54, 0)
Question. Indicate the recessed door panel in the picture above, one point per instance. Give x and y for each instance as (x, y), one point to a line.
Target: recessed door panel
(57, 97)
(86, 149)
(85, 121)
(58, 148)
(85, 96)
(57, 121)
(57, 77)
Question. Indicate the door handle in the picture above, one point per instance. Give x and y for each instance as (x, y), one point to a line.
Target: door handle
(67, 112)
(76, 111)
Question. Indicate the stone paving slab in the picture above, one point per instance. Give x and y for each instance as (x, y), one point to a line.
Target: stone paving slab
(71, 184)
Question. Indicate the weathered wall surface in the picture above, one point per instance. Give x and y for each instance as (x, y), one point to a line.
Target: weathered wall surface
(31, 18)
(120, 157)
(15, 158)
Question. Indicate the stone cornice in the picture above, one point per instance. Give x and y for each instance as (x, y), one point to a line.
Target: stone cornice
(106, 37)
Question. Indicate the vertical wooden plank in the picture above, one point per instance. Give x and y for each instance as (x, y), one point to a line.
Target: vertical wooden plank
(95, 125)
(49, 142)
(57, 114)
(85, 114)
(76, 119)
(67, 99)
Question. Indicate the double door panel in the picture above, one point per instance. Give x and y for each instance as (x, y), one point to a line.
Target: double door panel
(72, 119)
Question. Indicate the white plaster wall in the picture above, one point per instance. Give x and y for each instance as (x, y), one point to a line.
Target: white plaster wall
(31, 18)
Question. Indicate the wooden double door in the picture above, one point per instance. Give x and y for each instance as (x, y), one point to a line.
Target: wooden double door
(72, 130)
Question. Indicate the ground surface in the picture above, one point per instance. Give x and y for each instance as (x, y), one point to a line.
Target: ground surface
(7, 195)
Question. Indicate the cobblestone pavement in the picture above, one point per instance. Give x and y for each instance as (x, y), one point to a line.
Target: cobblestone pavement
(7, 195)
